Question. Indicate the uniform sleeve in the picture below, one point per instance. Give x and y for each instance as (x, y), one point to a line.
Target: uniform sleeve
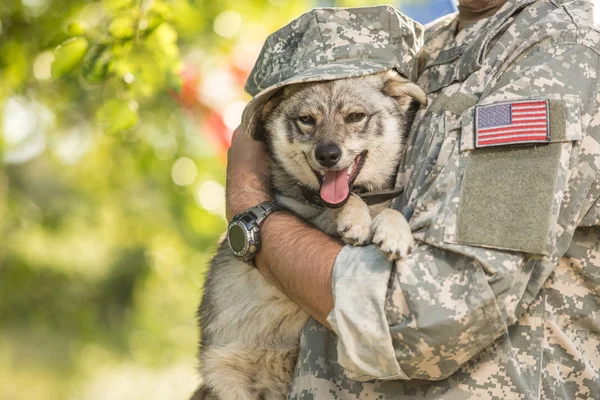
(428, 314)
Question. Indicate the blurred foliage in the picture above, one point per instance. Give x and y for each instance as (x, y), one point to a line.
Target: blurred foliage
(114, 119)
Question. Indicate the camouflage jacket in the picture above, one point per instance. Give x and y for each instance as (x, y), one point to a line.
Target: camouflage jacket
(501, 299)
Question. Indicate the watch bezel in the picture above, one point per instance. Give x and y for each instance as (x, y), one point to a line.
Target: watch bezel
(247, 233)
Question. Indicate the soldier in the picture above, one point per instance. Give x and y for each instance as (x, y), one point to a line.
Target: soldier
(500, 299)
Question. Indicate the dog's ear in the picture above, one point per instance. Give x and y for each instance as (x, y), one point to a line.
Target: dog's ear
(281, 94)
(403, 90)
(270, 105)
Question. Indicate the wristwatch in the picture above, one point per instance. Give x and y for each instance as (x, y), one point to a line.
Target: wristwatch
(243, 230)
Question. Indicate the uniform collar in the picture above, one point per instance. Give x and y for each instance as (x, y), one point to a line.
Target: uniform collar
(465, 56)
(470, 11)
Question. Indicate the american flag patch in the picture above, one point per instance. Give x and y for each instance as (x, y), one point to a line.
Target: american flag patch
(515, 122)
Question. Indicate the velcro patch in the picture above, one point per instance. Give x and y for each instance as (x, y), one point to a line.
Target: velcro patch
(512, 122)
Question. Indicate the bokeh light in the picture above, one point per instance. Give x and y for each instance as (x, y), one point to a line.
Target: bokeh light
(184, 171)
(165, 147)
(25, 124)
(232, 115)
(211, 196)
(228, 24)
(34, 8)
(41, 66)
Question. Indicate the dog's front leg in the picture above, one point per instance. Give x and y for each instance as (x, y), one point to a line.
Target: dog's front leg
(354, 222)
(392, 235)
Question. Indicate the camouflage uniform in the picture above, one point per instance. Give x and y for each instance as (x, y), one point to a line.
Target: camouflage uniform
(501, 299)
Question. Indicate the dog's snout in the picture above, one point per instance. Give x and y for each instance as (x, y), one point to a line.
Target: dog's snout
(328, 154)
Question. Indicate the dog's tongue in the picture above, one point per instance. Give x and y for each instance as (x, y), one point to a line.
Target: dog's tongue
(335, 189)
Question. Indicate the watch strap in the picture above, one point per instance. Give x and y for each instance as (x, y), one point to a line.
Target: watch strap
(252, 219)
(263, 210)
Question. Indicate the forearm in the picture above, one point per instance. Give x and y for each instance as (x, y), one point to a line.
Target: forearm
(299, 260)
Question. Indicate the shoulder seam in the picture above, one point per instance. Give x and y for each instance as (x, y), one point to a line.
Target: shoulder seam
(580, 25)
(573, 21)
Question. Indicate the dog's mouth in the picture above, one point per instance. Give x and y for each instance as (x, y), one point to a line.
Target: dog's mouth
(336, 184)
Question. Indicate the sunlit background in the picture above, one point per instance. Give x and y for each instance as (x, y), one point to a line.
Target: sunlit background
(115, 117)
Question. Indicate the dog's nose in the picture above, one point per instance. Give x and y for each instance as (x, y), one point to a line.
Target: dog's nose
(328, 154)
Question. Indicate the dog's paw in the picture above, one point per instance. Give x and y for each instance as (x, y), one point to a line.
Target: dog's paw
(354, 222)
(392, 235)
(356, 232)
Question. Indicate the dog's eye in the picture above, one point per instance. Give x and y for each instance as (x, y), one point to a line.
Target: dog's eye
(306, 120)
(355, 117)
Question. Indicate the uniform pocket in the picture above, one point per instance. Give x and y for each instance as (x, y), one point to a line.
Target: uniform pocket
(509, 196)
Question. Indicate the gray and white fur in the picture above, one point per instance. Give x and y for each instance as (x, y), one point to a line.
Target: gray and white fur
(249, 329)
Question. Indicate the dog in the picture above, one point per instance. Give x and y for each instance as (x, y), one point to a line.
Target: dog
(332, 139)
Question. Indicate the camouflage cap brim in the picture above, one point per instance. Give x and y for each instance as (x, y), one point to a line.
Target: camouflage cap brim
(320, 73)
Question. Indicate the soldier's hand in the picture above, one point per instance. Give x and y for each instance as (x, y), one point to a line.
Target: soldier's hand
(247, 174)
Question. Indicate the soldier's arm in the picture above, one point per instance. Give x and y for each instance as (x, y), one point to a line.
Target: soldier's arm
(299, 260)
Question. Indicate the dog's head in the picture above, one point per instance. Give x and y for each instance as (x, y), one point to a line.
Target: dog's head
(338, 135)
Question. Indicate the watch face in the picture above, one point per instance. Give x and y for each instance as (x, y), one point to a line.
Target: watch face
(237, 238)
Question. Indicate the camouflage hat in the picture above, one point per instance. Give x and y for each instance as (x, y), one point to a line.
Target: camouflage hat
(332, 43)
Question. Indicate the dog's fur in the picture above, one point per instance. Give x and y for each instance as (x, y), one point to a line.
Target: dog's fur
(250, 330)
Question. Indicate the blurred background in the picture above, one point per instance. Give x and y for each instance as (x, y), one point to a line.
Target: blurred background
(115, 117)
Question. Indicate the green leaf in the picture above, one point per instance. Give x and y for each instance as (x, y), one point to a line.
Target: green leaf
(163, 41)
(75, 29)
(116, 115)
(96, 64)
(151, 22)
(115, 5)
(68, 56)
(161, 9)
(122, 27)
